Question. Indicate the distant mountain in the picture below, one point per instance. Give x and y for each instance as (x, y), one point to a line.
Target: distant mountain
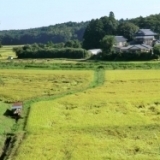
(54, 33)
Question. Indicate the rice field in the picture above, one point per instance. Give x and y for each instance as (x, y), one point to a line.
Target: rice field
(119, 120)
(7, 51)
(20, 85)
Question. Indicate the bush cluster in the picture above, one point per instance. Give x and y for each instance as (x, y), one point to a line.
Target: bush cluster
(38, 51)
(126, 56)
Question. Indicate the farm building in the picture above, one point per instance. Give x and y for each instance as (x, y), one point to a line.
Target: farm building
(145, 36)
(144, 40)
(120, 41)
(136, 47)
(95, 51)
(17, 108)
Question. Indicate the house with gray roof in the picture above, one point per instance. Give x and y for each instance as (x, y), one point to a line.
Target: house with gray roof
(120, 41)
(145, 36)
(136, 47)
(144, 40)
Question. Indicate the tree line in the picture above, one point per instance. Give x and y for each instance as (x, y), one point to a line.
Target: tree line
(50, 51)
(89, 32)
(55, 33)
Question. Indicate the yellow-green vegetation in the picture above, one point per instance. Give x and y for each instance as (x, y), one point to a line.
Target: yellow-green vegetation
(20, 85)
(119, 121)
(7, 51)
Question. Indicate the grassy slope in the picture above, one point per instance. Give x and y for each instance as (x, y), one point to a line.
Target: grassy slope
(119, 120)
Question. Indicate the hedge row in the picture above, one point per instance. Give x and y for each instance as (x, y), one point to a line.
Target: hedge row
(72, 53)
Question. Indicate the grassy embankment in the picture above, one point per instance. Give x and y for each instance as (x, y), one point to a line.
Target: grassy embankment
(119, 120)
(63, 64)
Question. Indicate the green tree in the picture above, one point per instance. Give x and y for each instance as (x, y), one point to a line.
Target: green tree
(73, 44)
(93, 34)
(150, 22)
(97, 29)
(107, 44)
(156, 50)
(127, 29)
(50, 44)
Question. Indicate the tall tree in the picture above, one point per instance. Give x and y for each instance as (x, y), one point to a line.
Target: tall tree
(156, 50)
(127, 29)
(93, 34)
(97, 29)
(107, 44)
(111, 15)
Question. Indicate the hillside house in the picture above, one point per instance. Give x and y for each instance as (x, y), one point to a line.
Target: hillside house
(144, 40)
(145, 36)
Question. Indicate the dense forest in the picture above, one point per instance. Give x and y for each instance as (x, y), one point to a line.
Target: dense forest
(89, 32)
(54, 33)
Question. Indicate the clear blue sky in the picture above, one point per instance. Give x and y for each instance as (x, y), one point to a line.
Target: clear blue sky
(22, 14)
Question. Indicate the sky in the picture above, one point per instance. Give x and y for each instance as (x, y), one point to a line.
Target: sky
(25, 14)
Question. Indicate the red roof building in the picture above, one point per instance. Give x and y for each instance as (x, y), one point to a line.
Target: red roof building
(17, 105)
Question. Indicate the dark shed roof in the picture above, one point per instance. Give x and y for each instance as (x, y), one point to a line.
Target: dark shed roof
(145, 32)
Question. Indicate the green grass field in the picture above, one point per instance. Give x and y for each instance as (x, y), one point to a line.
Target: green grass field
(119, 120)
(6, 124)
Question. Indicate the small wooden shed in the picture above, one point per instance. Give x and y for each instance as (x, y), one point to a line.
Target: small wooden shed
(17, 107)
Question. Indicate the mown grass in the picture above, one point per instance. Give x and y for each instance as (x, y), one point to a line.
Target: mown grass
(119, 120)
(5, 124)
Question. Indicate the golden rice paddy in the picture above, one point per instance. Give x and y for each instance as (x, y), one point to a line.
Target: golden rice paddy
(119, 121)
(20, 85)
